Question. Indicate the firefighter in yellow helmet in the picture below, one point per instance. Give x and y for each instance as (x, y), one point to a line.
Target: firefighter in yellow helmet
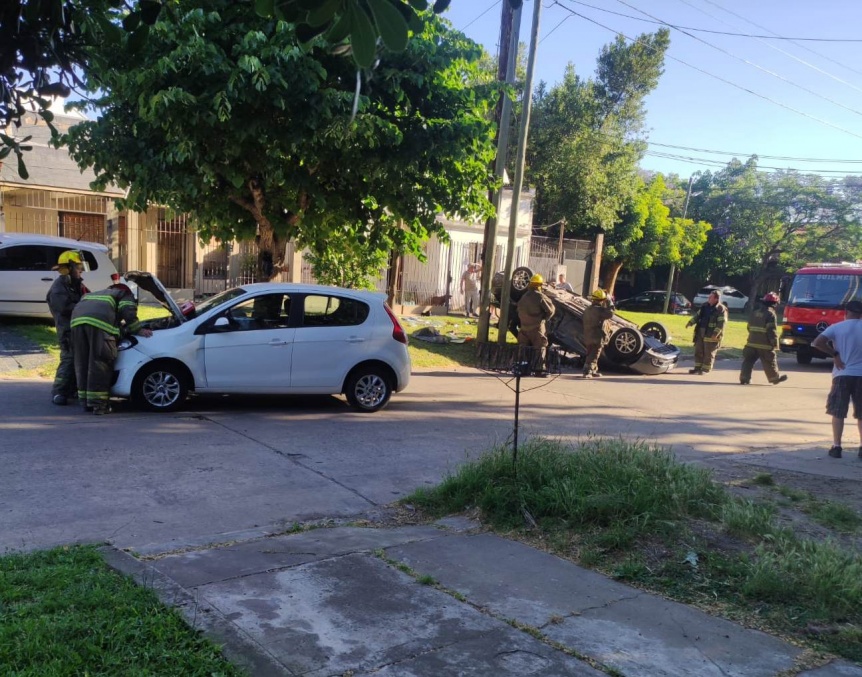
(64, 294)
(97, 322)
(534, 309)
(596, 330)
(708, 324)
(762, 342)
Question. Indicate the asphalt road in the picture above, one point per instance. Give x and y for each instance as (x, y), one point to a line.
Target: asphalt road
(229, 466)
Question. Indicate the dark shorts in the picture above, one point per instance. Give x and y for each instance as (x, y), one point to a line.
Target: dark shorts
(845, 389)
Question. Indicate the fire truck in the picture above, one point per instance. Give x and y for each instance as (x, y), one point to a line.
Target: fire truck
(816, 300)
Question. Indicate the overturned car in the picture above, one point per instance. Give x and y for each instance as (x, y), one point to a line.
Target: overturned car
(641, 349)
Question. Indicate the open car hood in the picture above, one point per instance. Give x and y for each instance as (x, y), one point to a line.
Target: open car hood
(152, 284)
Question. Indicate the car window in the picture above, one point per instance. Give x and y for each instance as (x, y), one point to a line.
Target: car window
(219, 299)
(706, 291)
(333, 311)
(90, 260)
(734, 293)
(26, 257)
(268, 311)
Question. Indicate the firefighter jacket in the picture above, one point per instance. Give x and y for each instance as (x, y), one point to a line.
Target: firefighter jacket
(114, 311)
(63, 296)
(533, 309)
(715, 323)
(762, 329)
(596, 328)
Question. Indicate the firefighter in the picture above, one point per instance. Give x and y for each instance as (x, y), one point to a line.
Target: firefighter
(534, 308)
(762, 342)
(64, 294)
(708, 324)
(596, 330)
(97, 321)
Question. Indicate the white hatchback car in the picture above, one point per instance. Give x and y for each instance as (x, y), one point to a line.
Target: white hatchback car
(26, 261)
(266, 338)
(732, 298)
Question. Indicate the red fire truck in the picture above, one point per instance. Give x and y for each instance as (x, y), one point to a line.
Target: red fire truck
(816, 300)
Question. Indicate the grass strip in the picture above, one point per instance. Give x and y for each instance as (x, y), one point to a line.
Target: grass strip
(65, 612)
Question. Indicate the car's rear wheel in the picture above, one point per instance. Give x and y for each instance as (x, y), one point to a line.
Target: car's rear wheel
(368, 389)
(656, 330)
(520, 281)
(803, 357)
(161, 388)
(626, 345)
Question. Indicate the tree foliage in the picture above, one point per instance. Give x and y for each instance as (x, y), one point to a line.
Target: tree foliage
(229, 116)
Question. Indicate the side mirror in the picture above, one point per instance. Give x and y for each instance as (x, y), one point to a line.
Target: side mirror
(221, 323)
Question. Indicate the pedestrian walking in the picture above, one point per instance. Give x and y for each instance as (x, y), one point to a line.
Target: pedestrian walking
(762, 342)
(97, 321)
(534, 309)
(596, 330)
(708, 321)
(843, 342)
(470, 289)
(62, 297)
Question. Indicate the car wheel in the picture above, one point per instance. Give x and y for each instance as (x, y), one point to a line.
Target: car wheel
(656, 330)
(626, 345)
(161, 388)
(803, 358)
(368, 389)
(520, 281)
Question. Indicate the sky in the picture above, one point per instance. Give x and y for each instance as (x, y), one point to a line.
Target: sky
(694, 109)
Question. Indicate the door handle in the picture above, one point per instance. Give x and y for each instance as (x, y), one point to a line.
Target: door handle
(47, 279)
(355, 339)
(276, 342)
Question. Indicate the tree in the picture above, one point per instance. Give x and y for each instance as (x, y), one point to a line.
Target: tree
(583, 154)
(228, 116)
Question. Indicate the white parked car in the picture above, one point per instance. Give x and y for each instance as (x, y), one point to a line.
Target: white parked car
(26, 261)
(266, 338)
(730, 297)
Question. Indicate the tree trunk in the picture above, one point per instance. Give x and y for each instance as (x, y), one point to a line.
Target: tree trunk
(270, 252)
(611, 274)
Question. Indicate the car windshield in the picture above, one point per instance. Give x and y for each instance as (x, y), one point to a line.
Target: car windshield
(218, 299)
(706, 291)
(824, 290)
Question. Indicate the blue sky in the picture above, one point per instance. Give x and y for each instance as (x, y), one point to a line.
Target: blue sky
(690, 108)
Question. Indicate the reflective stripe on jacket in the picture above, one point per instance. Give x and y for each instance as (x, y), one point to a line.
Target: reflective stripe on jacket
(762, 329)
(108, 310)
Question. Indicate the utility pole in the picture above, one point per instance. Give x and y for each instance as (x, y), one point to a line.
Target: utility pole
(510, 29)
(519, 171)
(673, 265)
(560, 258)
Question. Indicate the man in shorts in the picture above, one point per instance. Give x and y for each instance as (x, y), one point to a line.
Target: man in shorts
(843, 342)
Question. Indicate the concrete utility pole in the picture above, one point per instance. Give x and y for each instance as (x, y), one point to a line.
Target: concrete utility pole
(510, 29)
(673, 265)
(519, 171)
(595, 269)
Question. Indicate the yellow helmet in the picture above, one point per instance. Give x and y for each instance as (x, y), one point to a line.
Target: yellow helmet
(69, 257)
(599, 295)
(537, 280)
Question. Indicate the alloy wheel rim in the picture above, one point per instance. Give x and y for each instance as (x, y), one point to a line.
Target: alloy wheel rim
(161, 389)
(625, 343)
(370, 391)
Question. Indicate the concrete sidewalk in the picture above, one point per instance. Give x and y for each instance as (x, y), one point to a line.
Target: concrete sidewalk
(444, 599)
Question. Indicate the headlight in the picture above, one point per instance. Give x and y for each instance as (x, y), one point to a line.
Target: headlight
(787, 342)
(126, 343)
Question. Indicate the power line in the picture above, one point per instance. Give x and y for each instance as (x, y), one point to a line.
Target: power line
(744, 60)
(718, 163)
(777, 49)
(717, 77)
(774, 36)
(497, 2)
(766, 157)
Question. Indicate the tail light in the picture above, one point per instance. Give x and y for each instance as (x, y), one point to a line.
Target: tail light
(397, 330)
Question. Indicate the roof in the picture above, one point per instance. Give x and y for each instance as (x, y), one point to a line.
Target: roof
(28, 238)
(306, 288)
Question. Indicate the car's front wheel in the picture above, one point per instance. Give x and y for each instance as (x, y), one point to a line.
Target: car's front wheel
(161, 388)
(626, 345)
(368, 389)
(803, 357)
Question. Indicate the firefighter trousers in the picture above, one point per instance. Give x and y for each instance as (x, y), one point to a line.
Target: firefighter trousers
(704, 351)
(768, 359)
(537, 340)
(64, 379)
(95, 353)
(591, 361)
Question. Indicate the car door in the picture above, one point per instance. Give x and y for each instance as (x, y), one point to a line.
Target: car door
(25, 277)
(248, 347)
(334, 334)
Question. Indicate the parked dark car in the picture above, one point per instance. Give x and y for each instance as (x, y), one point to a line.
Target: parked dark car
(642, 349)
(653, 302)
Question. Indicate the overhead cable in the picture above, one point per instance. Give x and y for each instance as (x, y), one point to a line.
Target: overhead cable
(496, 2)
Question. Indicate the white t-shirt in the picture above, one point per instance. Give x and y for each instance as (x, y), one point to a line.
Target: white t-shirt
(846, 338)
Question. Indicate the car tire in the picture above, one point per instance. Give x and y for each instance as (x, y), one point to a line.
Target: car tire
(520, 281)
(160, 388)
(626, 345)
(368, 389)
(656, 330)
(803, 357)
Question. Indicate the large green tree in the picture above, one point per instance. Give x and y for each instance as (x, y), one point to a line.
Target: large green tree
(229, 116)
(584, 149)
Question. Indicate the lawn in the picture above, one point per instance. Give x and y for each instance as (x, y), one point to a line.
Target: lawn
(65, 612)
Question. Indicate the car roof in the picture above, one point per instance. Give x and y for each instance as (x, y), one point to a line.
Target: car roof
(30, 238)
(299, 288)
